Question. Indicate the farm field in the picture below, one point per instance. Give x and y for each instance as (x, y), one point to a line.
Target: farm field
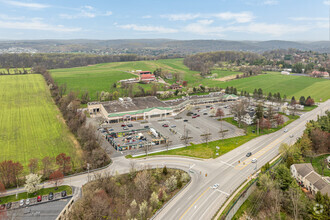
(289, 85)
(13, 70)
(100, 77)
(31, 125)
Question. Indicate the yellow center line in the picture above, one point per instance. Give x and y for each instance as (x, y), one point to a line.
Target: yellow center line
(258, 154)
(194, 203)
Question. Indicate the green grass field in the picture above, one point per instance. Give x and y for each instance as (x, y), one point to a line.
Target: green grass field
(289, 85)
(100, 77)
(31, 125)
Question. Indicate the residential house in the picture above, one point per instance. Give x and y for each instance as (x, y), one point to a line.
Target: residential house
(306, 177)
(147, 78)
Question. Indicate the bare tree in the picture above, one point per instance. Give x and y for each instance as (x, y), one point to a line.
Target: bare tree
(323, 164)
(206, 136)
(238, 109)
(185, 137)
(167, 144)
(294, 195)
(147, 147)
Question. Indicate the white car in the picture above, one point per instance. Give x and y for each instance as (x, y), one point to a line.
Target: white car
(21, 202)
(254, 160)
(27, 201)
(291, 135)
(215, 186)
(285, 130)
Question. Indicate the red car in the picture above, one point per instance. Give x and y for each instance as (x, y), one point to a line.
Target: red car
(39, 198)
(123, 125)
(194, 116)
(197, 115)
(165, 125)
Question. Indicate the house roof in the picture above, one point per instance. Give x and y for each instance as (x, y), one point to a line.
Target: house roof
(320, 184)
(313, 177)
(147, 76)
(326, 190)
(251, 114)
(304, 169)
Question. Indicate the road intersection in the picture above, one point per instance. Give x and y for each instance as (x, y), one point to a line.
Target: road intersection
(199, 200)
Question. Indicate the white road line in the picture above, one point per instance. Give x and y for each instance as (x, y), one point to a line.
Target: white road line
(226, 163)
(222, 192)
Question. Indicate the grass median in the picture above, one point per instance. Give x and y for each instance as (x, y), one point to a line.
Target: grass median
(209, 150)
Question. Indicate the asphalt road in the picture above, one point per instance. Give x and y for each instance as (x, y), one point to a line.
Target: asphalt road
(198, 200)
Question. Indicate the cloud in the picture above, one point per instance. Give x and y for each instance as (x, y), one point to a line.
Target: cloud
(241, 17)
(270, 29)
(146, 16)
(270, 2)
(181, 17)
(203, 27)
(35, 24)
(309, 19)
(27, 5)
(327, 2)
(148, 28)
(85, 12)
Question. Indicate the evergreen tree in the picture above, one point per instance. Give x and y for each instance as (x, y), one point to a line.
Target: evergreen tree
(302, 100)
(260, 93)
(293, 100)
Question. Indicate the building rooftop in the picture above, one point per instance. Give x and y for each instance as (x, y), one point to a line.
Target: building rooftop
(304, 169)
(320, 184)
(132, 104)
(313, 177)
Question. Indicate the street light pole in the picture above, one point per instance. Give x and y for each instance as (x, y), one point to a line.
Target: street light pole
(88, 172)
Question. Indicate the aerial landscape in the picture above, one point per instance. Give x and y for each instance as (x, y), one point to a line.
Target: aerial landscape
(164, 109)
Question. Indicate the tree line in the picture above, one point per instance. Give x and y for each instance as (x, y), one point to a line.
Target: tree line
(76, 121)
(203, 62)
(61, 60)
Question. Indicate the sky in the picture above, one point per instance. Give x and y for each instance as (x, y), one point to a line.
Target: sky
(294, 20)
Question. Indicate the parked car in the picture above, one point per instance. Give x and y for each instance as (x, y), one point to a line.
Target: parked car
(185, 120)
(197, 115)
(193, 116)
(146, 126)
(125, 128)
(39, 198)
(205, 113)
(51, 196)
(130, 125)
(173, 126)
(63, 193)
(215, 186)
(110, 129)
(27, 201)
(248, 154)
(21, 202)
(254, 160)
(8, 205)
(165, 125)
(2, 207)
(123, 125)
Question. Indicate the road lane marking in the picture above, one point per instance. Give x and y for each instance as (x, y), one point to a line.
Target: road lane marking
(193, 203)
(222, 192)
(226, 163)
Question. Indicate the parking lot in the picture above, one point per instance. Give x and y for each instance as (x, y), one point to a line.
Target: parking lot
(174, 129)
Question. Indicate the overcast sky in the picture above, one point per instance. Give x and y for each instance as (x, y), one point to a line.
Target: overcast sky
(175, 19)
